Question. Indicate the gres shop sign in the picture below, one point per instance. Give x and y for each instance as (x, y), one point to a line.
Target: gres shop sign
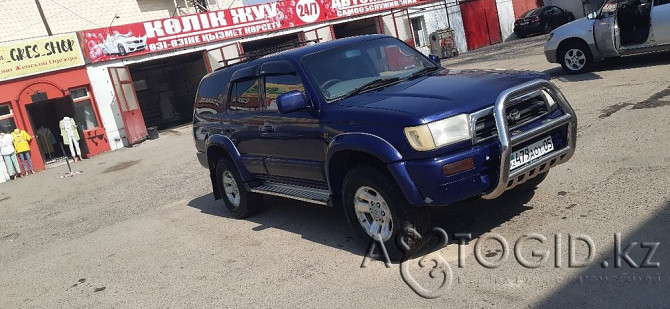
(189, 30)
(24, 58)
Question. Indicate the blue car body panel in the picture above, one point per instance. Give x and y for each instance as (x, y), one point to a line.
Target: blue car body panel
(372, 123)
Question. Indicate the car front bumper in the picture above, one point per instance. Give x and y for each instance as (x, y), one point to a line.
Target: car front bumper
(491, 175)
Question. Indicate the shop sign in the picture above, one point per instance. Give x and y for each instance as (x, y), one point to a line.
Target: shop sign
(189, 30)
(30, 57)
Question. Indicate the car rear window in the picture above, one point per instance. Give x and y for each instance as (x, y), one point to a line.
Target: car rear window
(532, 12)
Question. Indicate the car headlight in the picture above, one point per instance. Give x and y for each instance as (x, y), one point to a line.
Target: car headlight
(440, 133)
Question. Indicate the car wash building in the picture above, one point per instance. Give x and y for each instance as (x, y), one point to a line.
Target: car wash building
(42, 81)
(145, 75)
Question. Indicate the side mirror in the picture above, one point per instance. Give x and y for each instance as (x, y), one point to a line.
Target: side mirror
(435, 59)
(290, 102)
(592, 15)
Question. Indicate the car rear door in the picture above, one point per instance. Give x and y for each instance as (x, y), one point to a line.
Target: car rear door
(243, 122)
(660, 21)
(606, 31)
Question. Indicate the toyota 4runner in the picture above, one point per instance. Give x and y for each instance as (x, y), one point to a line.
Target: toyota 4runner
(372, 125)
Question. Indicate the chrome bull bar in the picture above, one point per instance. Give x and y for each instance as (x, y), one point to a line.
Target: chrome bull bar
(534, 168)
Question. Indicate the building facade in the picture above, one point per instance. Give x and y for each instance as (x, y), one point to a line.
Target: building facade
(135, 65)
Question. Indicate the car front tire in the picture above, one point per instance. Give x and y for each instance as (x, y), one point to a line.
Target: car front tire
(575, 58)
(376, 208)
(122, 50)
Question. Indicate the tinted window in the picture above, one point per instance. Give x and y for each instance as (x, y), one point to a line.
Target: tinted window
(532, 13)
(244, 95)
(211, 94)
(661, 2)
(277, 84)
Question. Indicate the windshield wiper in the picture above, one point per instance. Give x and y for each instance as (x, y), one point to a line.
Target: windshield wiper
(380, 82)
(422, 72)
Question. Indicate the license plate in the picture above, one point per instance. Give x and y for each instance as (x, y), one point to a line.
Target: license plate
(523, 23)
(531, 152)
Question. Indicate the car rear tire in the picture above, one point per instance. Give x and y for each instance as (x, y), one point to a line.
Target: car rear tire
(237, 199)
(575, 58)
(374, 205)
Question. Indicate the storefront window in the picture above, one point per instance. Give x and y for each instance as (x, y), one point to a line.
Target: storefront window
(78, 93)
(83, 107)
(86, 115)
(7, 123)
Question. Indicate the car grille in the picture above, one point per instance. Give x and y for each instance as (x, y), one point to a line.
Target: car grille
(517, 115)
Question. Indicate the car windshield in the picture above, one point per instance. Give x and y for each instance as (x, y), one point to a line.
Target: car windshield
(368, 65)
(531, 13)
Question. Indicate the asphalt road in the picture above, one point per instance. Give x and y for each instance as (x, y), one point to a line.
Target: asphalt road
(139, 227)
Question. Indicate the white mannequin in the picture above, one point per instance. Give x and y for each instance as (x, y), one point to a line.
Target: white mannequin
(70, 135)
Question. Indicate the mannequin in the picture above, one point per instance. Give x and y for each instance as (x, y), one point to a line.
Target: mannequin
(68, 130)
(4, 174)
(22, 146)
(9, 155)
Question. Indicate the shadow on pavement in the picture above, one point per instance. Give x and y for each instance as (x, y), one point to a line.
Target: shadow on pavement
(603, 285)
(329, 227)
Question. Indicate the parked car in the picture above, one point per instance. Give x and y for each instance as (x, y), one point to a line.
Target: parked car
(370, 124)
(541, 20)
(123, 44)
(619, 28)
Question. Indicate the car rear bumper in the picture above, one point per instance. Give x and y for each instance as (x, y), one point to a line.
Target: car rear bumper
(528, 29)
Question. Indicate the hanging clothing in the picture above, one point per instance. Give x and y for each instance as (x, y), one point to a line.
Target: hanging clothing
(45, 140)
(21, 139)
(68, 130)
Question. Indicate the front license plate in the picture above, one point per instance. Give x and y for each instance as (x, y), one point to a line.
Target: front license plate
(523, 23)
(531, 152)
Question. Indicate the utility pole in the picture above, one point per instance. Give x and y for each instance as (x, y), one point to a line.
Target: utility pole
(44, 19)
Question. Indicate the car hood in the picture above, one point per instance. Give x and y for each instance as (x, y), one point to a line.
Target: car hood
(443, 93)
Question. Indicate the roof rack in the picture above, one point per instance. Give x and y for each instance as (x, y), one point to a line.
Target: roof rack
(266, 51)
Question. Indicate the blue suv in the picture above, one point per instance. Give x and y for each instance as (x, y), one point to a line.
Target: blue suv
(371, 125)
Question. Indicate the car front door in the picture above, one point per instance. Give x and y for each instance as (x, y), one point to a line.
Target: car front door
(294, 146)
(660, 21)
(606, 31)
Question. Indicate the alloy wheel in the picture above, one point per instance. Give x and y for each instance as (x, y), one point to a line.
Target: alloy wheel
(231, 189)
(575, 59)
(373, 213)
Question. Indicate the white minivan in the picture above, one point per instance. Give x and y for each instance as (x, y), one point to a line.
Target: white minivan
(619, 28)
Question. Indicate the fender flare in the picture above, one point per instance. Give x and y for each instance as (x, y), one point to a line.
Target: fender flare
(379, 148)
(225, 143)
(364, 142)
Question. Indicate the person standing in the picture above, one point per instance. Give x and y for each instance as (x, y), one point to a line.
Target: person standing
(68, 130)
(9, 155)
(22, 147)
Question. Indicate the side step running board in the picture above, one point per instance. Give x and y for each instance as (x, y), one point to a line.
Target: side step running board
(310, 195)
